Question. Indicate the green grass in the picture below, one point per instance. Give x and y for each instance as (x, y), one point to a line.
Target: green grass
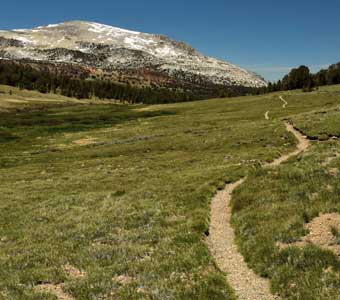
(274, 205)
(136, 202)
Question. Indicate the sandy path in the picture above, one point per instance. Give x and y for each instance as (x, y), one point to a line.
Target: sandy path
(285, 103)
(247, 285)
(266, 115)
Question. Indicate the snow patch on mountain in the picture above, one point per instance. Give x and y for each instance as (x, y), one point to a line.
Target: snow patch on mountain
(25, 40)
(106, 44)
(101, 28)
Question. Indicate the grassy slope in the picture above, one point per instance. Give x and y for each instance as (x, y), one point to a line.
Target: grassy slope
(136, 203)
(13, 98)
(288, 198)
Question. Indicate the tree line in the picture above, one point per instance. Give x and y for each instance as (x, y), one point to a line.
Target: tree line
(46, 81)
(302, 78)
(49, 80)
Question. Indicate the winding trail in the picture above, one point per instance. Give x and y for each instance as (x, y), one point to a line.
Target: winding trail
(221, 240)
(300, 147)
(285, 103)
(266, 115)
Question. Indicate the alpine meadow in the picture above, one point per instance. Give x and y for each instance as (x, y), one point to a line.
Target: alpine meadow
(135, 167)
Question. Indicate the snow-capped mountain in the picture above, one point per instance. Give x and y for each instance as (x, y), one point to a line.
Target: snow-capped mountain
(118, 50)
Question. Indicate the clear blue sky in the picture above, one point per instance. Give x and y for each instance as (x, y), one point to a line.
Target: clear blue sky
(266, 36)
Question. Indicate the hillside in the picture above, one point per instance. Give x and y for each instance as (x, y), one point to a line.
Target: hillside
(113, 201)
(125, 56)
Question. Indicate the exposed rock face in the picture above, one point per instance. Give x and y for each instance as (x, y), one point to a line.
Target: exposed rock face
(122, 51)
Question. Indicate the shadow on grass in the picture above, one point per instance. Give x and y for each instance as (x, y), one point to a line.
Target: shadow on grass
(75, 118)
(6, 136)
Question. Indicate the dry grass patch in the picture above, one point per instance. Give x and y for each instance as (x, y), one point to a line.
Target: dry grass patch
(330, 159)
(74, 272)
(15, 101)
(85, 141)
(334, 171)
(122, 279)
(55, 289)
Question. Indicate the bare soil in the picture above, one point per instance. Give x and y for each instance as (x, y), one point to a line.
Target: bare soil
(54, 289)
(57, 289)
(320, 233)
(85, 141)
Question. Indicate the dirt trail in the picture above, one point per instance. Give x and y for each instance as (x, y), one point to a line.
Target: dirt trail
(301, 146)
(221, 240)
(266, 115)
(285, 103)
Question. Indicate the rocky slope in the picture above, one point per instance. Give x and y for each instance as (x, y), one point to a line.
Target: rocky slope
(147, 57)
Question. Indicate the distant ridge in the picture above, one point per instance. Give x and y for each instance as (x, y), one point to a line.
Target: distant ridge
(125, 56)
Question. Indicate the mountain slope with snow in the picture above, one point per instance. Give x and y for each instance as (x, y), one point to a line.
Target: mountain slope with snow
(118, 50)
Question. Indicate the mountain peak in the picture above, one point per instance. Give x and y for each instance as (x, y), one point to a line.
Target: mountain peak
(102, 46)
(84, 25)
